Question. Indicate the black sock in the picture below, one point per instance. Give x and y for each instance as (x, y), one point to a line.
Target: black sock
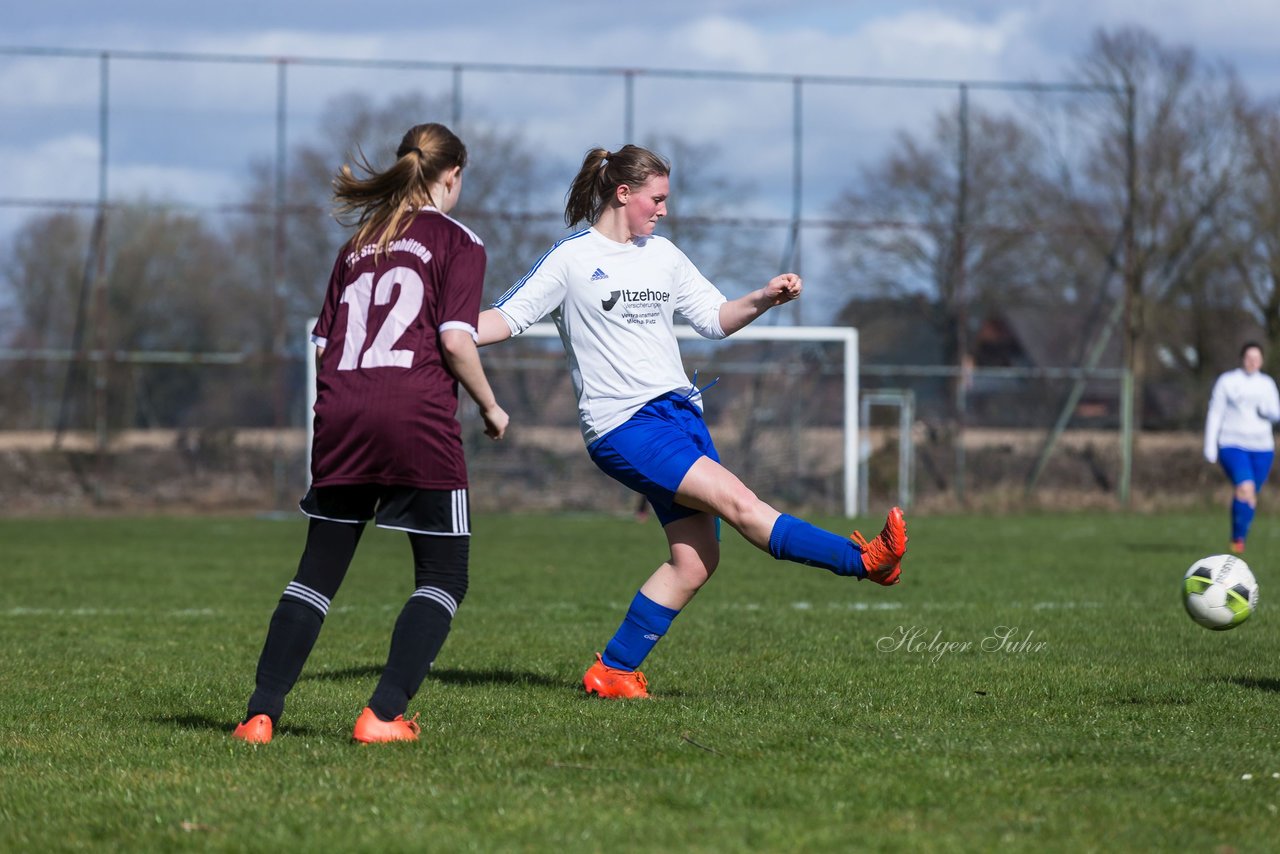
(419, 634)
(293, 632)
(296, 623)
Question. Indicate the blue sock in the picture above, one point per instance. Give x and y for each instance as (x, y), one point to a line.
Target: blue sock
(1241, 518)
(645, 624)
(796, 540)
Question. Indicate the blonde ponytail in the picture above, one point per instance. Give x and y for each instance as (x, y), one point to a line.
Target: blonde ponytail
(381, 204)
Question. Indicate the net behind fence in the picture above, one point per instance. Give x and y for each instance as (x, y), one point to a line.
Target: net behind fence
(174, 436)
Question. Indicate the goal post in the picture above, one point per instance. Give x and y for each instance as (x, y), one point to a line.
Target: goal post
(844, 336)
(790, 383)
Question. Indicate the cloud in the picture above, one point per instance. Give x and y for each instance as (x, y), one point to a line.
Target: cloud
(930, 44)
(171, 184)
(62, 168)
(724, 43)
(30, 81)
(1220, 28)
(177, 126)
(65, 169)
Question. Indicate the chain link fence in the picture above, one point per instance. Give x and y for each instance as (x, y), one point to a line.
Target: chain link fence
(126, 392)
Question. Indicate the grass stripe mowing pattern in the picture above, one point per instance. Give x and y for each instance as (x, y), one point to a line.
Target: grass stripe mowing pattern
(795, 710)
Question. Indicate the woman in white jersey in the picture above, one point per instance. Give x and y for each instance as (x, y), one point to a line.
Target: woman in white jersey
(1237, 435)
(613, 290)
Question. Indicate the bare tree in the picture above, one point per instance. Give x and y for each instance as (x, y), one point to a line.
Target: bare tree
(951, 216)
(288, 251)
(503, 177)
(43, 276)
(165, 287)
(1185, 151)
(44, 273)
(705, 197)
(1253, 254)
(1161, 113)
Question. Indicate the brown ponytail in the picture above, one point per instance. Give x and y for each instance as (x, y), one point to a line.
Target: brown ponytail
(602, 173)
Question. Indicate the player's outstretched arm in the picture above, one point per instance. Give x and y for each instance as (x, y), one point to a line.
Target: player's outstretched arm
(463, 358)
(1269, 408)
(737, 313)
(1213, 420)
(492, 327)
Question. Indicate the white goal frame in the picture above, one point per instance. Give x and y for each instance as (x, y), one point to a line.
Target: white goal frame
(845, 336)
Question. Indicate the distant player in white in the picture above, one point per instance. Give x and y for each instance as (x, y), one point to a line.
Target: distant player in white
(613, 290)
(1238, 435)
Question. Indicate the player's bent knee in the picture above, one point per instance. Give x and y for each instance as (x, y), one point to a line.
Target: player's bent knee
(694, 575)
(694, 568)
(740, 505)
(441, 563)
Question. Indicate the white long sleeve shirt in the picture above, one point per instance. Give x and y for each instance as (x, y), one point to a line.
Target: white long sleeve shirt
(1241, 410)
(614, 305)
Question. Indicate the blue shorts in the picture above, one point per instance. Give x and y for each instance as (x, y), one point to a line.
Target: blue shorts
(1241, 465)
(654, 449)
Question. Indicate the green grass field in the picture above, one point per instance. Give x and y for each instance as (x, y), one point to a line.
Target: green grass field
(788, 717)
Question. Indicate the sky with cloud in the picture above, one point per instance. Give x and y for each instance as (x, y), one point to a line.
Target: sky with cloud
(187, 130)
(965, 38)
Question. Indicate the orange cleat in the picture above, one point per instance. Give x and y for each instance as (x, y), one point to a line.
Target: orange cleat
(371, 729)
(256, 730)
(882, 556)
(613, 684)
(1237, 547)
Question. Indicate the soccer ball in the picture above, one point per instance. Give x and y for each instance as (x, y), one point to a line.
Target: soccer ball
(1220, 592)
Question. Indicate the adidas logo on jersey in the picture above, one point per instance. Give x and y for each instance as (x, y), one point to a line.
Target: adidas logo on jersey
(599, 275)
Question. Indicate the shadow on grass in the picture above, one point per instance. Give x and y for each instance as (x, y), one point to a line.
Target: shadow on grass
(1153, 700)
(452, 676)
(205, 722)
(510, 677)
(1264, 683)
(1161, 547)
(494, 677)
(364, 671)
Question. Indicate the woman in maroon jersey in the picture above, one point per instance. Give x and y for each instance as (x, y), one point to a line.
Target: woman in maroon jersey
(396, 335)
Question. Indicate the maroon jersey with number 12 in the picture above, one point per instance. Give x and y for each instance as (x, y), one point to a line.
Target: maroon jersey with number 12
(386, 404)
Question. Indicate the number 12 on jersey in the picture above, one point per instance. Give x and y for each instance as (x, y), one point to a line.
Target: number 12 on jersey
(357, 296)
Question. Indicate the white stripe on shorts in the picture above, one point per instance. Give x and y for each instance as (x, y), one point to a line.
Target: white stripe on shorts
(307, 596)
(440, 597)
(461, 521)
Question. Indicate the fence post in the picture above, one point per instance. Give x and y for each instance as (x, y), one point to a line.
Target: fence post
(278, 335)
(1131, 288)
(959, 292)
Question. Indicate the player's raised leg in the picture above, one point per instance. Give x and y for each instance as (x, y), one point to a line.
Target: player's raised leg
(711, 487)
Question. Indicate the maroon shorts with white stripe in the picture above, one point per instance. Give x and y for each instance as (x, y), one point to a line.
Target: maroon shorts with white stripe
(437, 512)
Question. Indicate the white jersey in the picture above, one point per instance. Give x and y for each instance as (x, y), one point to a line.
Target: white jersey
(1241, 410)
(614, 304)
